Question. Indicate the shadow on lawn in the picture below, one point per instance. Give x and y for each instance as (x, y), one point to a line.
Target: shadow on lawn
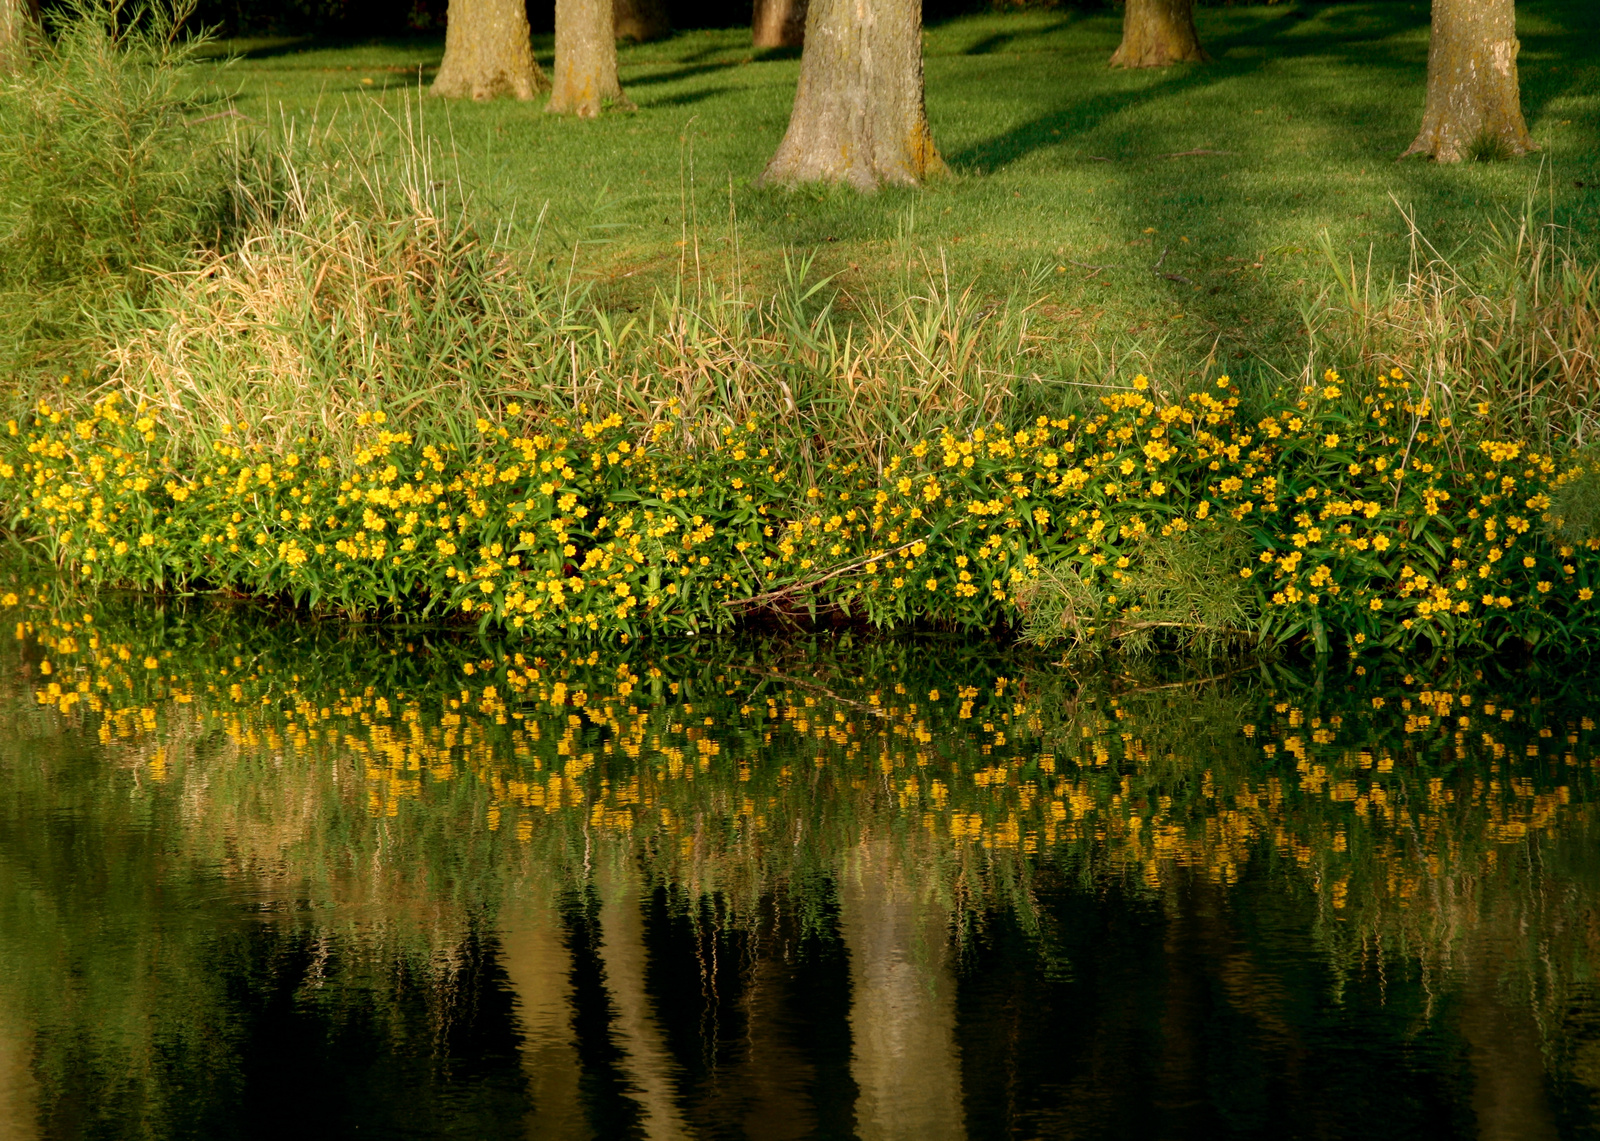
(1366, 36)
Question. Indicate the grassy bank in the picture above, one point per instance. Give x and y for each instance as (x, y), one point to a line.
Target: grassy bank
(1060, 162)
(336, 373)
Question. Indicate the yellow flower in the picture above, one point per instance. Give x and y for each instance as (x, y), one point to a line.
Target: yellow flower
(151, 663)
(1331, 440)
(932, 584)
(1585, 593)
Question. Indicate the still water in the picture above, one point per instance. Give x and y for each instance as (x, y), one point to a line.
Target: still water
(260, 878)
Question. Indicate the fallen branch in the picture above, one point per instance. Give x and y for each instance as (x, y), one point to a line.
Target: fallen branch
(812, 583)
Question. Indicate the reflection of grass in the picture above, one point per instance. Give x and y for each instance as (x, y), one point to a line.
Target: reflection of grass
(390, 790)
(1307, 104)
(709, 765)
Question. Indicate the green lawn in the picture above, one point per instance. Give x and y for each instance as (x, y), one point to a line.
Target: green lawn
(1058, 160)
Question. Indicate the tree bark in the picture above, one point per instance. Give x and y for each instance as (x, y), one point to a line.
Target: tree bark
(859, 115)
(19, 20)
(779, 24)
(1473, 92)
(586, 59)
(487, 52)
(1156, 33)
(640, 20)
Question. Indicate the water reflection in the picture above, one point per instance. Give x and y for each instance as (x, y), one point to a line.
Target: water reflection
(902, 1013)
(439, 888)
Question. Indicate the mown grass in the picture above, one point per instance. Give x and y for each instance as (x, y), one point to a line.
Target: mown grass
(1059, 163)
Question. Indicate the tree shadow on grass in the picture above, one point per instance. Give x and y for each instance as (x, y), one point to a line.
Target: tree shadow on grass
(1368, 41)
(1344, 78)
(683, 99)
(680, 73)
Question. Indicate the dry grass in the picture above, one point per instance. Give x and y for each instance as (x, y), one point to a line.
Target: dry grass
(1515, 325)
(359, 284)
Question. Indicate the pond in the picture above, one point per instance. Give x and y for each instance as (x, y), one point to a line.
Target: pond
(261, 877)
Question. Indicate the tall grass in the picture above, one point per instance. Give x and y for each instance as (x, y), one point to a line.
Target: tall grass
(1513, 324)
(358, 280)
(290, 275)
(110, 164)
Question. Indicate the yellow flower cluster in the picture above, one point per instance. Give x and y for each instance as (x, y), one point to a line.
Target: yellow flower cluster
(1360, 516)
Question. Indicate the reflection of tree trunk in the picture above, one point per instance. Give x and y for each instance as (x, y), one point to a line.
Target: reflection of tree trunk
(18, 1097)
(776, 1074)
(1156, 33)
(540, 967)
(647, 1064)
(779, 24)
(1181, 1017)
(902, 1004)
(1507, 1062)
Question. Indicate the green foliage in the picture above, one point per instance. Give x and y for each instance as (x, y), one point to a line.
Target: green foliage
(1191, 597)
(1509, 325)
(1575, 505)
(1354, 516)
(1489, 146)
(112, 166)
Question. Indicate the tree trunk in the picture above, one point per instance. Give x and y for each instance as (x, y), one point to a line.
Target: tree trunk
(779, 24)
(640, 20)
(1473, 93)
(586, 59)
(19, 20)
(1156, 33)
(487, 52)
(858, 112)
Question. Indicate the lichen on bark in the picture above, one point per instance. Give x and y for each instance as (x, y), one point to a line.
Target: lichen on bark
(1156, 33)
(487, 52)
(586, 60)
(1474, 96)
(859, 115)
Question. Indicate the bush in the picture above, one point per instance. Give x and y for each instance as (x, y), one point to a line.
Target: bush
(110, 167)
(1362, 518)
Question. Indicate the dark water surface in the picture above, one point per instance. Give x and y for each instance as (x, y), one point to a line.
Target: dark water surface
(273, 880)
